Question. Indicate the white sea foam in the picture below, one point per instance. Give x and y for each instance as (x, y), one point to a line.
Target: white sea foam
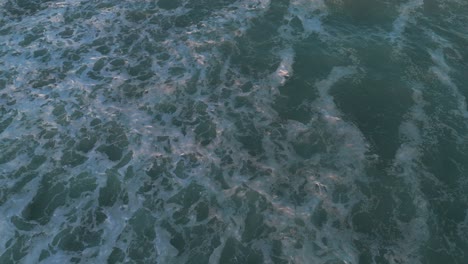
(442, 71)
(284, 69)
(348, 154)
(405, 15)
(305, 10)
(407, 158)
(195, 49)
(354, 145)
(142, 130)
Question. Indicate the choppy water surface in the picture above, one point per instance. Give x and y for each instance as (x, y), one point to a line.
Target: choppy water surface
(224, 131)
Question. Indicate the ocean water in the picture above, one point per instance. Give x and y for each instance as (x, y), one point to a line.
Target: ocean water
(234, 131)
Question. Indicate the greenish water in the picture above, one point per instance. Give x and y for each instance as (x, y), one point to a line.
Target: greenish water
(224, 131)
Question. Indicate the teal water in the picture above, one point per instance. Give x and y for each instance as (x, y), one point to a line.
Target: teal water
(224, 131)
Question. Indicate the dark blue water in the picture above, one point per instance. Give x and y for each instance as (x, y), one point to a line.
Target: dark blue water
(224, 131)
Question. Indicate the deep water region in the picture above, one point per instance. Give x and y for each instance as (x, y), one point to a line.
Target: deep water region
(234, 131)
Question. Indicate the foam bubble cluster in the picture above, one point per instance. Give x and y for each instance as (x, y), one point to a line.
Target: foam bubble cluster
(224, 131)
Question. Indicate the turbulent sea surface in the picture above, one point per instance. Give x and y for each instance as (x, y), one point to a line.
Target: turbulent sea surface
(234, 131)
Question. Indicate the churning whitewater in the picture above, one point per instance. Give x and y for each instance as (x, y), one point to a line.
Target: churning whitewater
(234, 131)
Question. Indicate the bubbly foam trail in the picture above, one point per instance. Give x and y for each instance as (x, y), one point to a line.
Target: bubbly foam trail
(442, 71)
(348, 155)
(354, 145)
(297, 9)
(406, 12)
(405, 166)
(285, 68)
(162, 144)
(302, 9)
(142, 134)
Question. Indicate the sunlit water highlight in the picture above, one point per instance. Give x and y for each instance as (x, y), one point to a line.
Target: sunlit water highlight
(224, 131)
